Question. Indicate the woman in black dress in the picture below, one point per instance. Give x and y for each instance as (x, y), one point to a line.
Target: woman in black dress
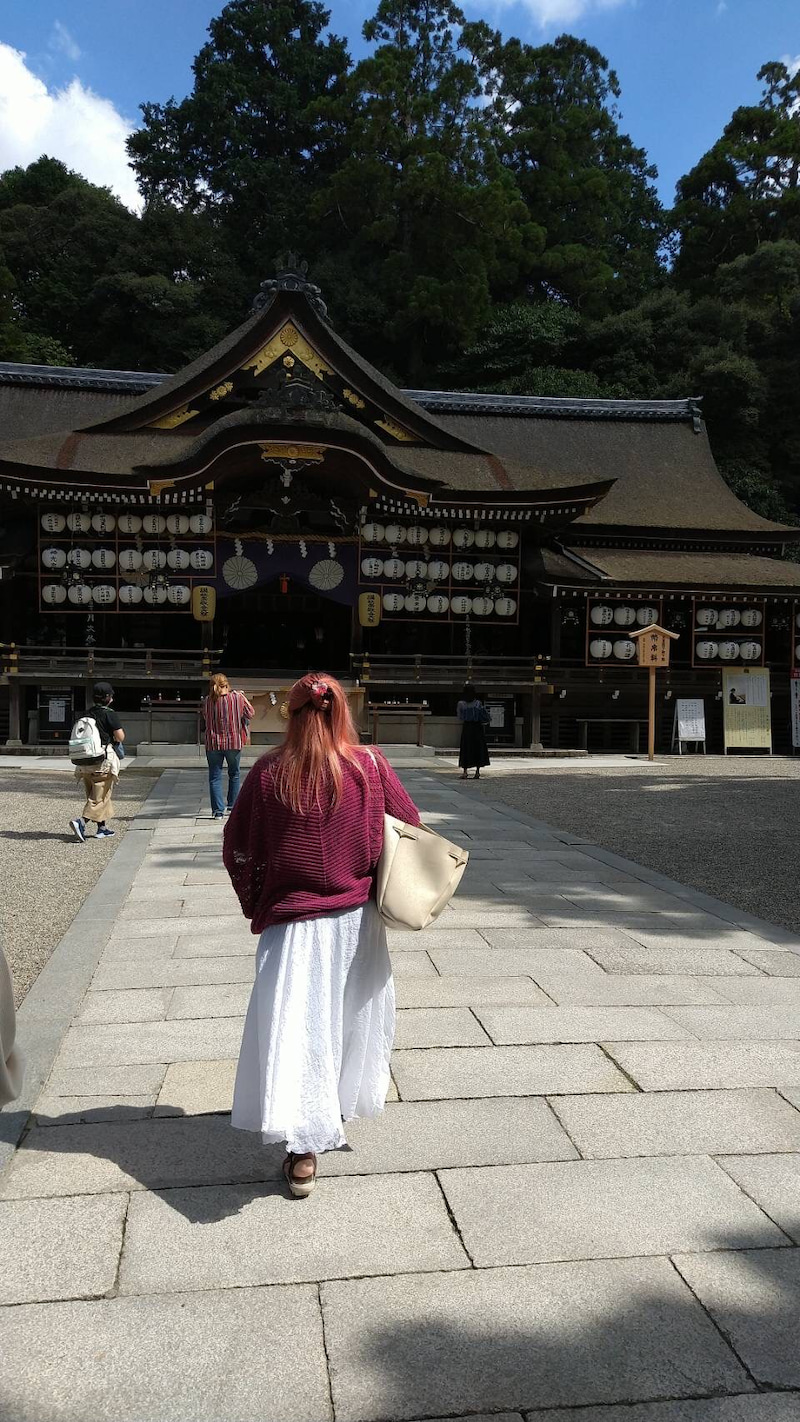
(473, 717)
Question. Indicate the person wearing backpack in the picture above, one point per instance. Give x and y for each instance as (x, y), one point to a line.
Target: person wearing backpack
(95, 748)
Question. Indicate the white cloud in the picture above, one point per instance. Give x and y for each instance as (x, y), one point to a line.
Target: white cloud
(74, 124)
(549, 13)
(792, 63)
(63, 43)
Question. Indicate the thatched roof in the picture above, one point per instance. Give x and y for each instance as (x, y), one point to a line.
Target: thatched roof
(723, 572)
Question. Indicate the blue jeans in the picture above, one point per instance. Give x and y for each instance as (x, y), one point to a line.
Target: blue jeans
(216, 759)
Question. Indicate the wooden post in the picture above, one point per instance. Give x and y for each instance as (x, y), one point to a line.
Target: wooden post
(653, 650)
(651, 716)
(14, 741)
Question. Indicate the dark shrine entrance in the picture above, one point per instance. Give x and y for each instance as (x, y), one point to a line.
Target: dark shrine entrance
(264, 629)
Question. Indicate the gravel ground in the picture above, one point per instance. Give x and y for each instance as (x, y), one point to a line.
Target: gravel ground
(729, 827)
(45, 873)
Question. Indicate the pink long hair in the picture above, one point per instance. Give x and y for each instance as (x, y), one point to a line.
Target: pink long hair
(320, 737)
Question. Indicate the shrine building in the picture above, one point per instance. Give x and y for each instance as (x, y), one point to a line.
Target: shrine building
(279, 506)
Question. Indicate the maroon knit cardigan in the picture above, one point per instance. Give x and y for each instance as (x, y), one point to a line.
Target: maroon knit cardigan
(286, 866)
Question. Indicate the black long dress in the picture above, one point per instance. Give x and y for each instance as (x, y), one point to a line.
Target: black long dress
(473, 752)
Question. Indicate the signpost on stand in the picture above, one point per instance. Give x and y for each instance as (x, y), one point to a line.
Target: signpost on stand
(652, 645)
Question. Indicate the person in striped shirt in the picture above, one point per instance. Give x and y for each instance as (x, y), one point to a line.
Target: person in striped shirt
(227, 714)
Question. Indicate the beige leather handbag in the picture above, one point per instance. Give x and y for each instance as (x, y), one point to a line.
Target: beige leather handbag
(418, 873)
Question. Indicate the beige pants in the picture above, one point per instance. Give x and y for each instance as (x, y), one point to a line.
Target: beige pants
(99, 789)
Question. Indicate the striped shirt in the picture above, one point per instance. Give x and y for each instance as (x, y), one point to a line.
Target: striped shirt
(224, 717)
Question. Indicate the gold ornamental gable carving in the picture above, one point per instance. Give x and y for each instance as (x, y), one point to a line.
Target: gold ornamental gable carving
(176, 417)
(395, 430)
(288, 338)
(314, 452)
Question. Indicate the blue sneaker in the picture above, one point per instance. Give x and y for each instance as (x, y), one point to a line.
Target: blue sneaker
(104, 834)
(78, 828)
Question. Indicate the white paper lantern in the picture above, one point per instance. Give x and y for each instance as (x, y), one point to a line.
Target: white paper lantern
(439, 537)
(485, 538)
(729, 617)
(506, 573)
(130, 594)
(155, 596)
(177, 559)
(155, 559)
(394, 568)
(707, 651)
(505, 607)
(104, 523)
(438, 570)
(201, 524)
(462, 605)
(79, 594)
(130, 560)
(601, 615)
(372, 567)
(507, 538)
(728, 651)
(416, 569)
(750, 651)
(103, 558)
(484, 572)
(707, 616)
(625, 649)
(462, 572)
(482, 606)
(178, 595)
(54, 594)
(624, 616)
(600, 648)
(178, 524)
(78, 522)
(417, 535)
(751, 617)
(393, 602)
(79, 558)
(129, 524)
(395, 533)
(201, 559)
(438, 604)
(373, 532)
(154, 523)
(53, 522)
(54, 557)
(104, 594)
(646, 616)
(415, 602)
(463, 538)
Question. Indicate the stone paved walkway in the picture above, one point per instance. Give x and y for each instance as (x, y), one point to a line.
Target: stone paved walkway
(585, 1190)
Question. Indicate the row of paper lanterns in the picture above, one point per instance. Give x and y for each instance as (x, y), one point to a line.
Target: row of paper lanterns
(439, 604)
(131, 560)
(438, 570)
(105, 595)
(729, 651)
(624, 616)
(709, 617)
(128, 524)
(439, 537)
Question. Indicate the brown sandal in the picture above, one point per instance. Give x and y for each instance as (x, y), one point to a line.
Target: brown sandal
(300, 1186)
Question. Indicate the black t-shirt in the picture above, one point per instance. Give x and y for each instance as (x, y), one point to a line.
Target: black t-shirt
(107, 722)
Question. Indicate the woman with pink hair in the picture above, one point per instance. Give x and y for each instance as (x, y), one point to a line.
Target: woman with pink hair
(301, 848)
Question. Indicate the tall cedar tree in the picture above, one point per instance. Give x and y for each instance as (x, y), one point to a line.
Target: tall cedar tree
(555, 124)
(422, 222)
(249, 145)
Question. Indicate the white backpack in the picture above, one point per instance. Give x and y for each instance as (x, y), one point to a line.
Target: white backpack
(85, 743)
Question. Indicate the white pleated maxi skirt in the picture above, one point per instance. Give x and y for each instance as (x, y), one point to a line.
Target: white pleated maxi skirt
(319, 1030)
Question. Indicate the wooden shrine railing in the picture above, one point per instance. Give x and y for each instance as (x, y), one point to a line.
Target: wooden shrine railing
(106, 663)
(499, 672)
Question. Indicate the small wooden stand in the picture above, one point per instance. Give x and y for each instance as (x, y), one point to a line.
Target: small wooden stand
(652, 644)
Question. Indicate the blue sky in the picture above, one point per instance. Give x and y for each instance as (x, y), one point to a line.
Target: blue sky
(684, 65)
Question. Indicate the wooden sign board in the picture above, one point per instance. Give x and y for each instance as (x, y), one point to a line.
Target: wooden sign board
(369, 609)
(204, 603)
(652, 644)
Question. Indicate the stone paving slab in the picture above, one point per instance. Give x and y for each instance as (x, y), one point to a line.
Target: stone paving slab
(439, 1027)
(754, 1297)
(776, 961)
(140, 1042)
(217, 945)
(173, 972)
(631, 989)
(450, 991)
(572, 1210)
(749, 1407)
(671, 958)
(412, 965)
(71, 1110)
(512, 962)
(139, 1080)
(672, 1066)
(437, 1074)
(242, 1355)
(740, 1024)
(210, 1000)
(680, 1123)
(762, 991)
(773, 1181)
(542, 1336)
(57, 1249)
(195, 1088)
(120, 949)
(127, 1005)
(371, 1225)
(509, 1025)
